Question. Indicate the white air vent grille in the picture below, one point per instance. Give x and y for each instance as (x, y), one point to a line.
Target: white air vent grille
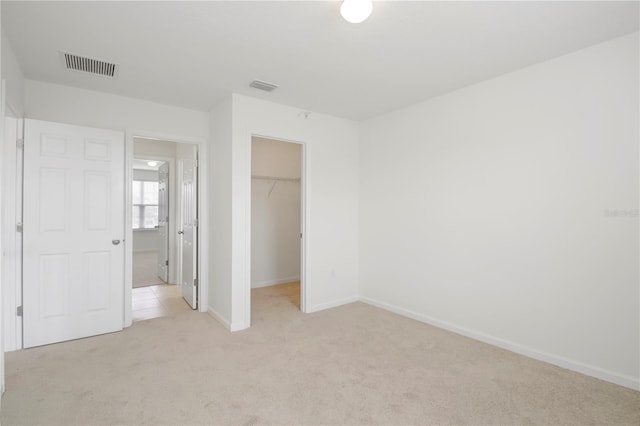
(261, 85)
(93, 66)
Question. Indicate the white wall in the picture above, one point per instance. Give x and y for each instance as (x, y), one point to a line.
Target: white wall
(12, 110)
(144, 239)
(508, 211)
(220, 212)
(12, 74)
(154, 148)
(275, 158)
(52, 102)
(143, 174)
(331, 186)
(275, 212)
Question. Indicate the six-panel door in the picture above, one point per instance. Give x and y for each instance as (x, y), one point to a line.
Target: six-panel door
(163, 222)
(72, 233)
(189, 230)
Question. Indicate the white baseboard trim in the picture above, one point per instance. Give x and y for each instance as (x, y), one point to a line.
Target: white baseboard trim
(579, 367)
(146, 251)
(218, 318)
(234, 326)
(335, 303)
(238, 326)
(269, 283)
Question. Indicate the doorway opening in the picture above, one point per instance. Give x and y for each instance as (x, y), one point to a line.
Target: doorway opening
(149, 193)
(107, 179)
(277, 283)
(162, 207)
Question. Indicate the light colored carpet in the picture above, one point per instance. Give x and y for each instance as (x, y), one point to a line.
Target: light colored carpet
(354, 364)
(145, 269)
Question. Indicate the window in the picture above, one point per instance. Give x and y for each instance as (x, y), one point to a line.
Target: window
(145, 204)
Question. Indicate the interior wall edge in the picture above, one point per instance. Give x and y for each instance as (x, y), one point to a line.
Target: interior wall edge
(229, 326)
(218, 317)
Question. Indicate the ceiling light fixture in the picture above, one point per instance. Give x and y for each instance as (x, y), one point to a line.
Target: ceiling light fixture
(356, 11)
(152, 163)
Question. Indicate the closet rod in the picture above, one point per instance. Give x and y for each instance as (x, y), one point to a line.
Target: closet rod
(275, 178)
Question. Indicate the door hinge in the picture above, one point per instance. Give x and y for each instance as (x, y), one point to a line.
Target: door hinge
(20, 143)
(166, 263)
(19, 311)
(19, 227)
(195, 222)
(195, 282)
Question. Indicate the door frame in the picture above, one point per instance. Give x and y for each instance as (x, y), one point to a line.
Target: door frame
(11, 276)
(173, 209)
(304, 222)
(203, 219)
(2, 206)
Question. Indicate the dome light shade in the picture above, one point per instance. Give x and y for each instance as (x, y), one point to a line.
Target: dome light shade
(152, 163)
(356, 11)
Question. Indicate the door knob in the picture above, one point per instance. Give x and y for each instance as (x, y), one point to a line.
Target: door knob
(115, 242)
(180, 232)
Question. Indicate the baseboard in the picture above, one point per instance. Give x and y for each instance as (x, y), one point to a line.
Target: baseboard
(238, 326)
(269, 283)
(218, 318)
(235, 326)
(589, 370)
(145, 251)
(335, 303)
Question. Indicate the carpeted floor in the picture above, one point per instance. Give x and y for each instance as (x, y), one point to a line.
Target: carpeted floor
(145, 269)
(354, 364)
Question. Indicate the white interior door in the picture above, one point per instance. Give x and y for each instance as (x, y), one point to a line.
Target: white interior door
(189, 228)
(73, 227)
(163, 222)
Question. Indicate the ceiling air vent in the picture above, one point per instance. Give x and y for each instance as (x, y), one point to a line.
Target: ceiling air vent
(93, 66)
(261, 85)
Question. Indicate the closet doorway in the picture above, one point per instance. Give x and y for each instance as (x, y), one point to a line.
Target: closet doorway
(276, 229)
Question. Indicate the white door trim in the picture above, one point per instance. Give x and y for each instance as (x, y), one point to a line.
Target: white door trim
(203, 219)
(12, 240)
(304, 225)
(2, 206)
